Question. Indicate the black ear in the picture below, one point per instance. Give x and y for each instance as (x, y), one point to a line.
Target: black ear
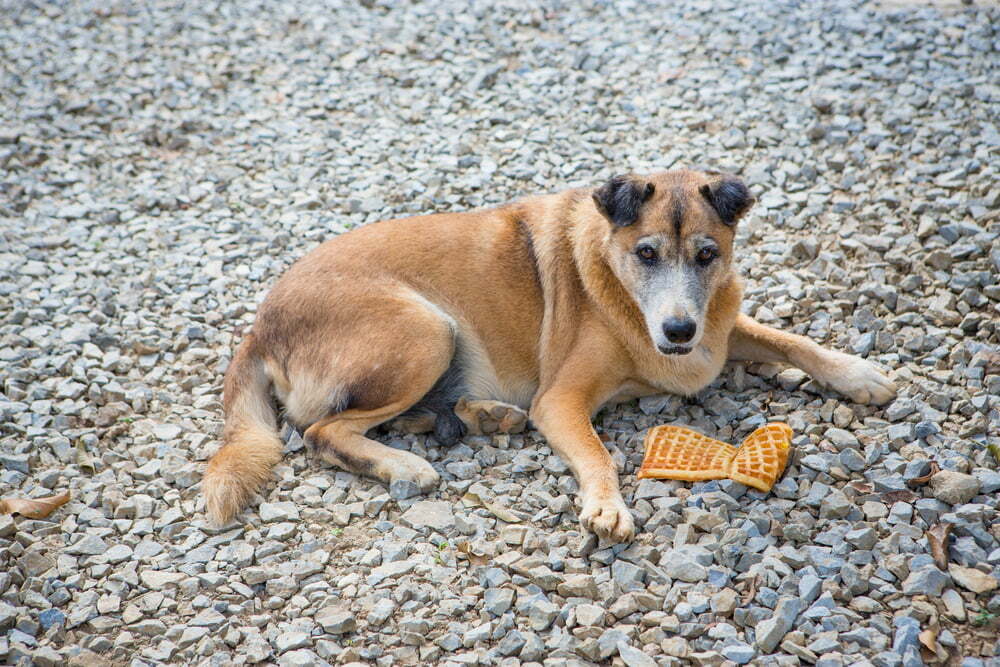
(729, 197)
(619, 199)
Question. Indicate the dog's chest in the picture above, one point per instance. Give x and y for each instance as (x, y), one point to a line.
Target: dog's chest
(685, 374)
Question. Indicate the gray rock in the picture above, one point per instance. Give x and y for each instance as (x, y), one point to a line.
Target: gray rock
(579, 585)
(498, 600)
(283, 511)
(626, 574)
(608, 642)
(953, 487)
(430, 514)
(300, 658)
(633, 657)
(972, 579)
(533, 649)
(836, 505)
(772, 630)
(512, 643)
(989, 480)
(7, 615)
(927, 580)
(389, 571)
(541, 613)
(158, 579)
(89, 545)
(906, 635)
(687, 563)
(842, 439)
(287, 641)
(590, 614)
(18, 462)
(336, 620)
(739, 653)
(401, 489)
(378, 615)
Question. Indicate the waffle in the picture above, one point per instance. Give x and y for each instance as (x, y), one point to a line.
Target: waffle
(675, 452)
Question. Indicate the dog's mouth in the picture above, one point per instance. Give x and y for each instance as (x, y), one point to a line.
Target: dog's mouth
(673, 349)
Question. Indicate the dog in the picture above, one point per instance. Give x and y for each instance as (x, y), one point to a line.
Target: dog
(549, 308)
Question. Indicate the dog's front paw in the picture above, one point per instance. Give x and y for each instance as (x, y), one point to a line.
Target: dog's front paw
(858, 379)
(608, 518)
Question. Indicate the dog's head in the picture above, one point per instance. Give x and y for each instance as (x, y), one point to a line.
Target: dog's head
(670, 245)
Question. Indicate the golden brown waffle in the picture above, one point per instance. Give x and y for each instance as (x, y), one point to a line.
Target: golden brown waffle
(762, 456)
(675, 452)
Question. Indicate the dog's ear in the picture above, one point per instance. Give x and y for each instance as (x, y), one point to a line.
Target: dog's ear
(729, 197)
(619, 199)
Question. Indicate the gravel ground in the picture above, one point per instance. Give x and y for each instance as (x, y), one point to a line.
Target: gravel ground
(161, 165)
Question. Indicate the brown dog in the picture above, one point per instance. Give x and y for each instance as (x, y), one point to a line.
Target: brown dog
(556, 305)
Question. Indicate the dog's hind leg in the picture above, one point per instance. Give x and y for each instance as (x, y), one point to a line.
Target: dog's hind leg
(385, 366)
(485, 417)
(413, 424)
(341, 441)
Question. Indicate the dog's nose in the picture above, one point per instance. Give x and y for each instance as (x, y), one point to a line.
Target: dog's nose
(679, 329)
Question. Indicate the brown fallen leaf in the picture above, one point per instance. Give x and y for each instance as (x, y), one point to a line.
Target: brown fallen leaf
(84, 459)
(924, 479)
(473, 557)
(34, 508)
(937, 538)
(931, 651)
(901, 496)
(928, 638)
(495, 509)
(862, 487)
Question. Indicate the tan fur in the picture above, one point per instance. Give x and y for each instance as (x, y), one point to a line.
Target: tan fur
(483, 417)
(251, 443)
(538, 301)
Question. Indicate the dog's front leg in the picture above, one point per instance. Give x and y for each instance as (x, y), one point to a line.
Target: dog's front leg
(852, 376)
(563, 417)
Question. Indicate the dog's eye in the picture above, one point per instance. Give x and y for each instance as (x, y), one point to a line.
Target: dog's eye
(706, 255)
(646, 253)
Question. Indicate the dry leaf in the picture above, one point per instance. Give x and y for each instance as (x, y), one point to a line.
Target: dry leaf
(83, 458)
(496, 510)
(928, 638)
(502, 513)
(937, 538)
(924, 479)
(903, 496)
(862, 487)
(34, 508)
(931, 650)
(473, 557)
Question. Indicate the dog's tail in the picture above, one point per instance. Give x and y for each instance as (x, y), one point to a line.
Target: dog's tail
(251, 444)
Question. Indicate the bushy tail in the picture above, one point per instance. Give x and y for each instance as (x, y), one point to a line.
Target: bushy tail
(251, 444)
